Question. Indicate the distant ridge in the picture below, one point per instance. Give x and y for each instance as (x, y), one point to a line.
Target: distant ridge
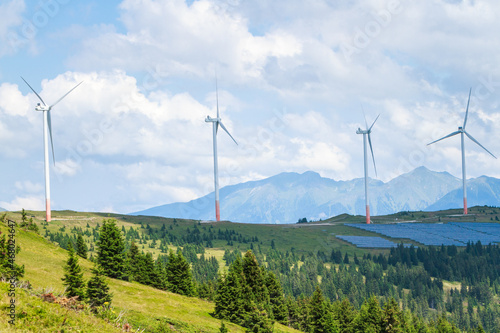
(288, 196)
(480, 191)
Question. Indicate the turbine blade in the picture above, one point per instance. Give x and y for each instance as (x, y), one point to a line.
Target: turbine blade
(373, 156)
(467, 110)
(60, 99)
(216, 127)
(444, 137)
(225, 129)
(364, 116)
(33, 91)
(480, 145)
(49, 123)
(217, 95)
(373, 123)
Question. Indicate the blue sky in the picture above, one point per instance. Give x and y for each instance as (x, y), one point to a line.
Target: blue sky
(292, 78)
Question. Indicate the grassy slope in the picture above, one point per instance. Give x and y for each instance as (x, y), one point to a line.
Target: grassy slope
(44, 268)
(44, 261)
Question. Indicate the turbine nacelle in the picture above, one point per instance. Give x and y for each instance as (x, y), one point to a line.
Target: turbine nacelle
(40, 107)
(209, 119)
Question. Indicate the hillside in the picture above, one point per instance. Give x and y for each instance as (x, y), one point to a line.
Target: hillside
(287, 197)
(310, 252)
(144, 307)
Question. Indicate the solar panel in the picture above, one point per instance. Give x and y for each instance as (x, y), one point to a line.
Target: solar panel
(453, 233)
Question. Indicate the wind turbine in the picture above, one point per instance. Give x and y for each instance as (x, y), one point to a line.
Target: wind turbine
(462, 131)
(47, 130)
(215, 125)
(366, 134)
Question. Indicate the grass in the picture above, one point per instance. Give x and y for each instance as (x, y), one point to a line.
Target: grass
(144, 307)
(35, 315)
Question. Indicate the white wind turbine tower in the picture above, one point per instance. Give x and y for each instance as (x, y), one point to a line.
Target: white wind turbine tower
(462, 131)
(47, 130)
(216, 122)
(366, 134)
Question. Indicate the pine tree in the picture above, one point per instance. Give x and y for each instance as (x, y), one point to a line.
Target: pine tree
(254, 278)
(321, 320)
(98, 289)
(278, 306)
(228, 299)
(346, 259)
(159, 277)
(391, 317)
(344, 313)
(73, 276)
(369, 318)
(110, 251)
(257, 320)
(134, 263)
(9, 269)
(179, 278)
(81, 247)
(293, 312)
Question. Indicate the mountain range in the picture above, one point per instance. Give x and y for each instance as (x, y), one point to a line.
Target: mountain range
(289, 196)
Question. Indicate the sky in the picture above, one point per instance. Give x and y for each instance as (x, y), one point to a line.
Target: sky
(294, 78)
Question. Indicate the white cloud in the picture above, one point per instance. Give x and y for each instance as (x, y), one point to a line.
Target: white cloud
(184, 39)
(29, 186)
(29, 202)
(10, 40)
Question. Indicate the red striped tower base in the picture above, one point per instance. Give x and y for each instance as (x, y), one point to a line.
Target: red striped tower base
(217, 211)
(47, 210)
(465, 206)
(367, 214)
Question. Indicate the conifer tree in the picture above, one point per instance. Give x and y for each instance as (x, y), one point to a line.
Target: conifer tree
(228, 300)
(179, 278)
(9, 269)
(369, 317)
(277, 299)
(148, 267)
(110, 251)
(254, 278)
(344, 313)
(293, 311)
(159, 277)
(346, 259)
(134, 263)
(321, 319)
(257, 320)
(73, 276)
(81, 247)
(391, 317)
(97, 288)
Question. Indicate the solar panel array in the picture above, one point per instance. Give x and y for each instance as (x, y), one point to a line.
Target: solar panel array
(453, 233)
(369, 241)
